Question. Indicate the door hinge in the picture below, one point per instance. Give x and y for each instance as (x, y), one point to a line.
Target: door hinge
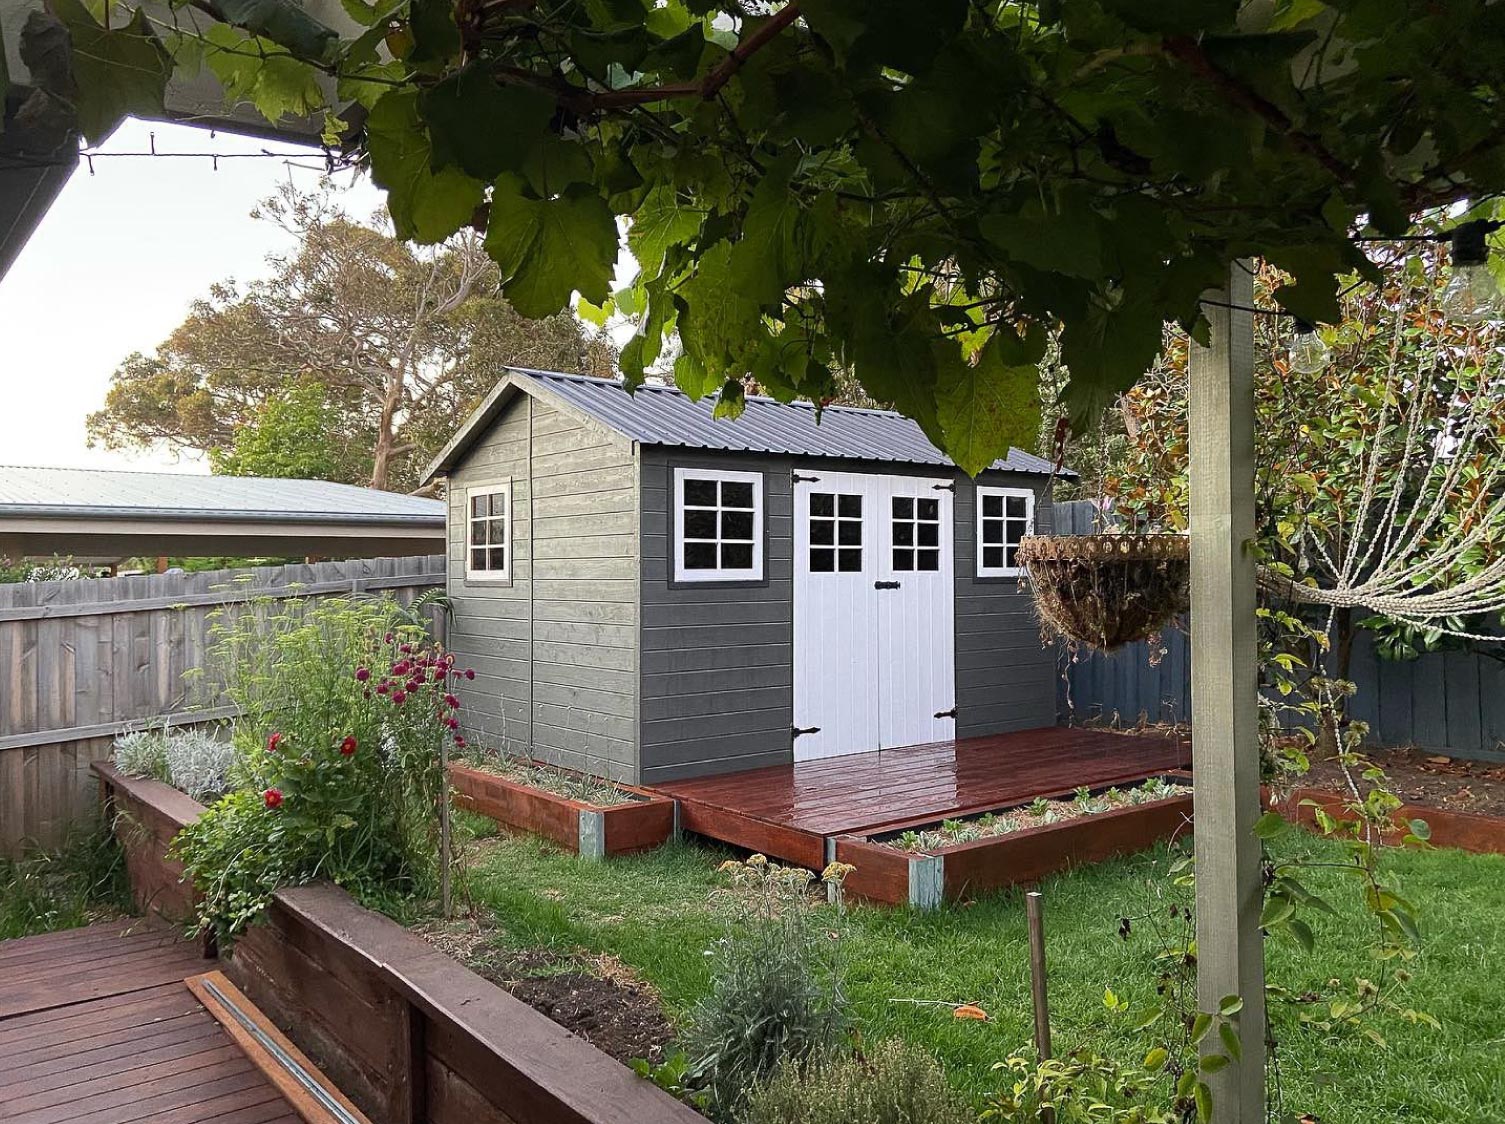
(944, 487)
(796, 478)
(885, 585)
(946, 713)
(799, 730)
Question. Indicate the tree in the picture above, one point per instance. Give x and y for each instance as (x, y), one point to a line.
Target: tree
(354, 333)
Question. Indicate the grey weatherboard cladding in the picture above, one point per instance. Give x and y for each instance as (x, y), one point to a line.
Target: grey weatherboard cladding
(592, 657)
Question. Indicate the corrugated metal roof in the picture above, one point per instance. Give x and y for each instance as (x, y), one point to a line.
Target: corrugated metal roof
(661, 415)
(101, 492)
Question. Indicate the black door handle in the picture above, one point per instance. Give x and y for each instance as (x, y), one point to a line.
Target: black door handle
(885, 585)
(798, 731)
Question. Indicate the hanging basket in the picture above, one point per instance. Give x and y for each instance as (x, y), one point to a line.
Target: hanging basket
(1107, 590)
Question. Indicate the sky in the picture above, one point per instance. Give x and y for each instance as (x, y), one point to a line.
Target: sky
(113, 268)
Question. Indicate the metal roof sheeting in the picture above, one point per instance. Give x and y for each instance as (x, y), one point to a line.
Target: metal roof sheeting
(99, 492)
(661, 415)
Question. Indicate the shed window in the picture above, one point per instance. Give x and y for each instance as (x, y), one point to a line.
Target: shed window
(835, 533)
(1004, 517)
(917, 533)
(719, 525)
(488, 540)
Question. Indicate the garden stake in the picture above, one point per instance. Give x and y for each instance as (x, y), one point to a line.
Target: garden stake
(444, 825)
(1033, 904)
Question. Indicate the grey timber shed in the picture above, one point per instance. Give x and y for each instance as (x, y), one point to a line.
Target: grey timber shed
(649, 593)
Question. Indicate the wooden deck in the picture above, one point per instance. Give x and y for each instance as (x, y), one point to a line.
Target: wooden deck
(792, 811)
(96, 1027)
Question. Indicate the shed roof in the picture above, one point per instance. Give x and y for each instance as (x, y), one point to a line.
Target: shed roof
(663, 415)
(31, 491)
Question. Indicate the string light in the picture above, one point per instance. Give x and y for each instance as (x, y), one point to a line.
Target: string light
(1472, 294)
(1308, 352)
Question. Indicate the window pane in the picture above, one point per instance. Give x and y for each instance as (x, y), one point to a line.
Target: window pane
(992, 505)
(1017, 507)
(928, 509)
(930, 534)
(737, 525)
(1013, 556)
(498, 503)
(822, 560)
(992, 530)
(904, 534)
(700, 493)
(736, 555)
(478, 533)
(822, 503)
(700, 524)
(903, 559)
(478, 505)
(930, 559)
(498, 558)
(477, 559)
(1016, 529)
(700, 556)
(850, 506)
(904, 507)
(850, 533)
(851, 560)
(822, 531)
(992, 557)
(498, 531)
(736, 493)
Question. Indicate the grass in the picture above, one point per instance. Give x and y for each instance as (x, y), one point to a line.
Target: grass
(656, 913)
(80, 883)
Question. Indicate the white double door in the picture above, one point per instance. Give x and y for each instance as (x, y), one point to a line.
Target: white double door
(874, 613)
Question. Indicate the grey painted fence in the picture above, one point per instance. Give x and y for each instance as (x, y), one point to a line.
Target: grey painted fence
(1451, 702)
(82, 661)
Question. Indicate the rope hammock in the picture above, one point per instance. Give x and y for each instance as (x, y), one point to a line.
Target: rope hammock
(1407, 551)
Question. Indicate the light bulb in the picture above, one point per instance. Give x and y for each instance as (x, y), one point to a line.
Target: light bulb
(1472, 294)
(1308, 352)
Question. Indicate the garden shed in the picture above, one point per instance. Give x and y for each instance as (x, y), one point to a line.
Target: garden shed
(650, 593)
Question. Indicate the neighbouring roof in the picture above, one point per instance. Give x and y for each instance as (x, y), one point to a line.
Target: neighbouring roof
(88, 492)
(662, 415)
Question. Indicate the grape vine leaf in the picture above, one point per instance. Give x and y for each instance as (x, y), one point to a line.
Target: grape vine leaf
(549, 248)
(426, 205)
(989, 405)
(116, 72)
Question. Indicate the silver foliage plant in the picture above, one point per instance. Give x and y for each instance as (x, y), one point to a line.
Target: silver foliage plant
(194, 761)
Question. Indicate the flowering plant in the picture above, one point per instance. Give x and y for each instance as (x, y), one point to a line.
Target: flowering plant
(344, 707)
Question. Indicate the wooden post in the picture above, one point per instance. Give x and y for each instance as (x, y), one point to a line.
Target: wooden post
(1224, 692)
(1034, 912)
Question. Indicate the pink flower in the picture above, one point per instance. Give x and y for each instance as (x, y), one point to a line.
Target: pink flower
(273, 742)
(470, 673)
(399, 697)
(272, 797)
(362, 674)
(347, 747)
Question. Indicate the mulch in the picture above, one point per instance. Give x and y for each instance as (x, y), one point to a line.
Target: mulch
(1429, 779)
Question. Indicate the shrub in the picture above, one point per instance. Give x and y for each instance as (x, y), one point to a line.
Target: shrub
(344, 705)
(895, 1083)
(776, 994)
(142, 754)
(1081, 1088)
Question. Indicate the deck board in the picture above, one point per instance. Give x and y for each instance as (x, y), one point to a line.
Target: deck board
(790, 811)
(96, 1027)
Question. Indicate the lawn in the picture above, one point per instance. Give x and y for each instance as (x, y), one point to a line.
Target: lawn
(82, 882)
(656, 913)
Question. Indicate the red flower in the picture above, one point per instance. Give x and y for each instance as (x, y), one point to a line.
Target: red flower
(405, 649)
(452, 723)
(459, 741)
(347, 747)
(399, 697)
(470, 673)
(401, 667)
(273, 742)
(388, 638)
(452, 702)
(272, 796)
(383, 687)
(362, 674)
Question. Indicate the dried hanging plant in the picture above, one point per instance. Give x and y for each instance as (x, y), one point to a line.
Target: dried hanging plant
(1107, 590)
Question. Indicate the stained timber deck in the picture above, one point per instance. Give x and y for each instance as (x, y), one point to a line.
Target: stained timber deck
(96, 1027)
(792, 811)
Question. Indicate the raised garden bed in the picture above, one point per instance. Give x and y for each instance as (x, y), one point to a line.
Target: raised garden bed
(922, 869)
(406, 1032)
(641, 821)
(1468, 831)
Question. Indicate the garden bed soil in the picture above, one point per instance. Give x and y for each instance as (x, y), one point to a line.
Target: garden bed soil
(643, 822)
(1425, 779)
(887, 873)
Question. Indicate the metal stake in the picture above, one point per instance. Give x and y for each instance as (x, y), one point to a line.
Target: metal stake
(1034, 910)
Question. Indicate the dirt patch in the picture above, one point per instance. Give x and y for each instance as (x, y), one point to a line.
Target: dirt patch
(1432, 780)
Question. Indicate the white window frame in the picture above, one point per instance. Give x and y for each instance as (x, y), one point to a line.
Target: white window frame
(753, 573)
(983, 490)
(502, 488)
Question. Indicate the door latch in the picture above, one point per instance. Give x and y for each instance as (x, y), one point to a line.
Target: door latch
(885, 585)
(944, 487)
(798, 730)
(946, 713)
(796, 478)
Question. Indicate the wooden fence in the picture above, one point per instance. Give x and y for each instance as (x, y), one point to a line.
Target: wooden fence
(83, 661)
(1450, 702)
